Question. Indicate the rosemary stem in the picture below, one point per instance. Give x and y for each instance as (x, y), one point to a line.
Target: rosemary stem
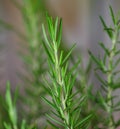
(61, 83)
(111, 124)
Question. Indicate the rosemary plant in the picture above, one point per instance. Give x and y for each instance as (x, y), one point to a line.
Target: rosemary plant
(107, 65)
(35, 59)
(65, 108)
(84, 86)
(10, 106)
(32, 14)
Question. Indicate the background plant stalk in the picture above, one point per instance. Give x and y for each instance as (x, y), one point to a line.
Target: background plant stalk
(111, 124)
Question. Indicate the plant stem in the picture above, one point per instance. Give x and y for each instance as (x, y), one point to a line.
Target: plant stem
(63, 98)
(111, 124)
(62, 94)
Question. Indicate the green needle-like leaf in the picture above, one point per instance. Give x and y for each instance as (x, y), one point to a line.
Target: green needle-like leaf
(109, 32)
(69, 53)
(112, 15)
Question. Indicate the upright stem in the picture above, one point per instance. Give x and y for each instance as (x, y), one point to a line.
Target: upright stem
(111, 124)
(60, 81)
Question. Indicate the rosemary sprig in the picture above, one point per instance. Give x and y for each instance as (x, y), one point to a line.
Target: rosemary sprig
(107, 66)
(65, 108)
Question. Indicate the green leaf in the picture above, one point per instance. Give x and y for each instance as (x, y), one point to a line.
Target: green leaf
(11, 107)
(102, 101)
(69, 53)
(23, 125)
(47, 101)
(105, 49)
(55, 114)
(117, 124)
(50, 27)
(8, 97)
(56, 27)
(48, 53)
(56, 121)
(53, 125)
(112, 15)
(94, 58)
(116, 85)
(75, 66)
(61, 58)
(84, 121)
(45, 36)
(109, 32)
(59, 35)
(15, 96)
(72, 82)
(117, 62)
(7, 126)
(101, 79)
(88, 68)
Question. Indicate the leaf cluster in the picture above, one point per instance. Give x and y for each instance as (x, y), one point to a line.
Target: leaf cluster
(34, 59)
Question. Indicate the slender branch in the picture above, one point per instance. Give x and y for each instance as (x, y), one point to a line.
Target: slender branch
(60, 81)
(111, 124)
